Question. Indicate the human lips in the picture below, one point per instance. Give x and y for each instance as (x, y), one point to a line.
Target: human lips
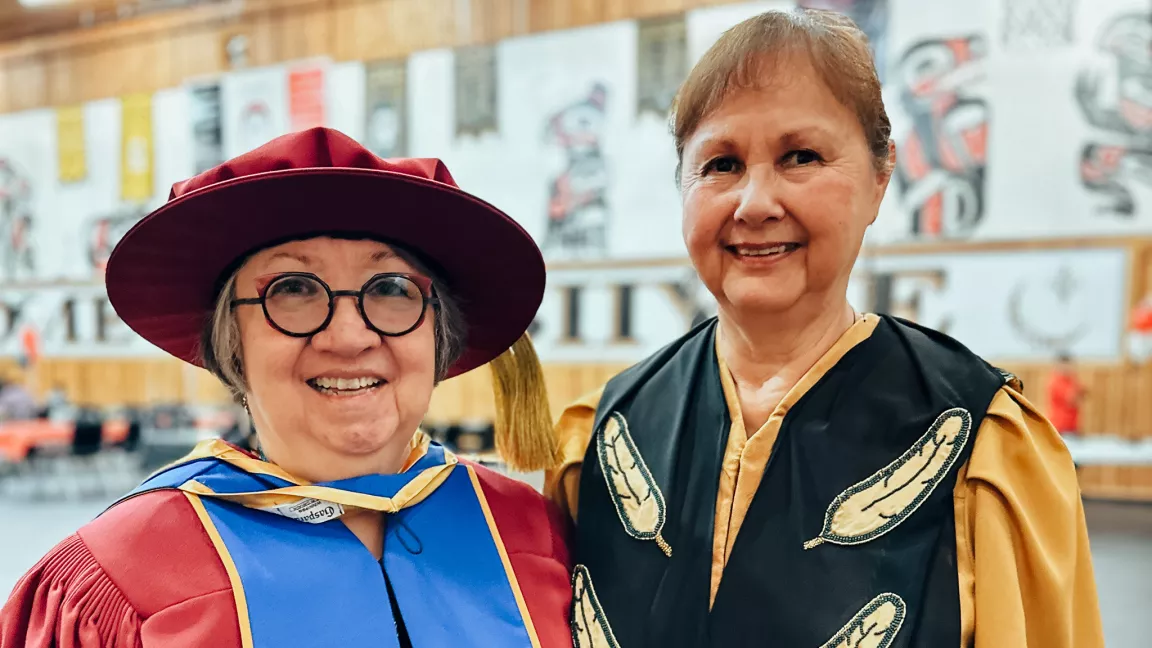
(346, 384)
(762, 250)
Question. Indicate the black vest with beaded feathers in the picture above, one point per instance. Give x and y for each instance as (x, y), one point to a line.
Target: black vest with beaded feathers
(849, 540)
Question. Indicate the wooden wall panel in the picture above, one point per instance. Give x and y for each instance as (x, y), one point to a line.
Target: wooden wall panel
(1142, 412)
(347, 30)
(438, 25)
(546, 15)
(404, 28)
(5, 80)
(618, 10)
(193, 53)
(362, 30)
(463, 399)
(120, 382)
(493, 20)
(1118, 399)
(263, 42)
(138, 67)
(303, 34)
(469, 397)
(90, 74)
(27, 83)
(1117, 482)
(108, 382)
(586, 12)
(204, 387)
(163, 50)
(648, 8)
(60, 80)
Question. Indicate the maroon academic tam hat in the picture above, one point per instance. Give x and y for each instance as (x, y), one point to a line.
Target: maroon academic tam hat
(165, 274)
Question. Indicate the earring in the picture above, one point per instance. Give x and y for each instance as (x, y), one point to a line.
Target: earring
(259, 449)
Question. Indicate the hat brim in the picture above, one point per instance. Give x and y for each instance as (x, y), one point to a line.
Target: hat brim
(163, 276)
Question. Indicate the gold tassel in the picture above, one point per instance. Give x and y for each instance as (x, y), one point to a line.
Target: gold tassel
(524, 435)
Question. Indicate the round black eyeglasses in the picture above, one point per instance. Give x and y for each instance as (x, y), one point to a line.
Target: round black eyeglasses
(300, 304)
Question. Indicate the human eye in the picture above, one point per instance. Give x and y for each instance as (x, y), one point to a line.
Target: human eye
(292, 286)
(392, 287)
(802, 157)
(721, 164)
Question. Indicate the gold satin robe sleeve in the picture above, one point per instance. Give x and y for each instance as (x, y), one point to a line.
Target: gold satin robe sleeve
(1024, 568)
(562, 485)
(1026, 575)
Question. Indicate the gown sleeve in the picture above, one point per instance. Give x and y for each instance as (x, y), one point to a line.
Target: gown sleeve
(574, 430)
(143, 574)
(67, 601)
(1024, 557)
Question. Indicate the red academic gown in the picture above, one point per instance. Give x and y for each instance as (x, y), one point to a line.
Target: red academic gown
(146, 574)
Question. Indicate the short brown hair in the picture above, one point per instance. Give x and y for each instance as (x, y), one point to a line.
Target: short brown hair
(836, 47)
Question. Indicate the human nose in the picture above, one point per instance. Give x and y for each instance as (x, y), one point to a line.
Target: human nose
(347, 333)
(760, 196)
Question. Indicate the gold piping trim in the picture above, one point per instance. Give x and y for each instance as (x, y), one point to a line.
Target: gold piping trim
(512, 580)
(229, 567)
(411, 494)
(220, 449)
(217, 448)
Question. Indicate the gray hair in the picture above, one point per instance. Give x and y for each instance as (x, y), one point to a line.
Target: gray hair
(221, 352)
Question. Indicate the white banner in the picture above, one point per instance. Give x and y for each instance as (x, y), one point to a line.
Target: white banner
(1018, 119)
(27, 180)
(569, 161)
(1007, 306)
(206, 119)
(1071, 141)
(618, 315)
(255, 108)
(51, 230)
(72, 321)
(936, 96)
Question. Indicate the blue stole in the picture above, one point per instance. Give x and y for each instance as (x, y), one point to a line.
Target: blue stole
(301, 578)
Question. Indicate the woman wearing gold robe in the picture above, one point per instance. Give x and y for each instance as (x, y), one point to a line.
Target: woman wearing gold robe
(792, 472)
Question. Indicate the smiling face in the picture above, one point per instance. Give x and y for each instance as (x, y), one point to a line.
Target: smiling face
(345, 401)
(778, 186)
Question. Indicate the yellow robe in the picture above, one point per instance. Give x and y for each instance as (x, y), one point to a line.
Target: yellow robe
(1022, 553)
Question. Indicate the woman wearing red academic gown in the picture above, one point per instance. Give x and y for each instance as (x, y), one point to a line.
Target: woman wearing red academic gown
(329, 290)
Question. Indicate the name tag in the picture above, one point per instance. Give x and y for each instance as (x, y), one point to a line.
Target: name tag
(309, 509)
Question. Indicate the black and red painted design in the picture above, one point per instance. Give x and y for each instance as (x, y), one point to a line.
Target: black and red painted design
(1124, 114)
(106, 231)
(256, 125)
(578, 196)
(16, 219)
(942, 162)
